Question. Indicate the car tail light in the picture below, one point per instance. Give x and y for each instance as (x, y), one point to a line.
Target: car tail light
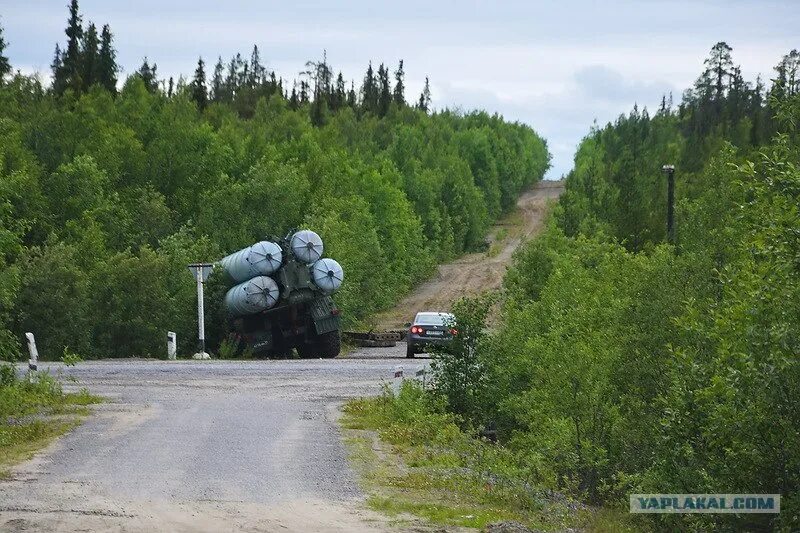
(453, 331)
(416, 330)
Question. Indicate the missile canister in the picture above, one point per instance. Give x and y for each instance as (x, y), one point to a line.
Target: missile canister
(327, 275)
(261, 259)
(252, 296)
(306, 246)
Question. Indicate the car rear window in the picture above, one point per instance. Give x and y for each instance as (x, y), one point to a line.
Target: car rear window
(432, 319)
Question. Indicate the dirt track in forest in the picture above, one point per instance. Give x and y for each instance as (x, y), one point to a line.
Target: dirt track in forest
(477, 272)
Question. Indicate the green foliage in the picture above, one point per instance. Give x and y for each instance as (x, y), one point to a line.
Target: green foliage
(70, 358)
(458, 370)
(623, 365)
(105, 198)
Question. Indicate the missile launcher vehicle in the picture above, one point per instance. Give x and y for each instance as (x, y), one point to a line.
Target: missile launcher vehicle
(280, 297)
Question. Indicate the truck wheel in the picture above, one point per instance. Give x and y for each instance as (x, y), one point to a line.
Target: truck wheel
(329, 344)
(409, 351)
(306, 351)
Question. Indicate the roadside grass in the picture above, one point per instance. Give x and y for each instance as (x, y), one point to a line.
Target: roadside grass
(33, 413)
(414, 461)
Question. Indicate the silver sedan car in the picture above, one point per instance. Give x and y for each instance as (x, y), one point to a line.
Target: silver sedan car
(430, 328)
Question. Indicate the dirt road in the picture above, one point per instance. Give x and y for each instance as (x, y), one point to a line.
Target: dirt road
(203, 446)
(477, 272)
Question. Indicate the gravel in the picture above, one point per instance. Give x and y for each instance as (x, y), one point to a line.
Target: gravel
(238, 435)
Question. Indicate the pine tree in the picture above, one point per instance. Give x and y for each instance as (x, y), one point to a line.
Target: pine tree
(108, 68)
(198, 86)
(719, 65)
(217, 82)
(5, 66)
(424, 103)
(71, 59)
(787, 83)
(90, 57)
(399, 85)
(148, 75)
(320, 75)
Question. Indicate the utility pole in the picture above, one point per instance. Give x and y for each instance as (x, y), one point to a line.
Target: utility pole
(669, 170)
(201, 271)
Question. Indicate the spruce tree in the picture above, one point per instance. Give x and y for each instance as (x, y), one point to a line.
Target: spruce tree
(108, 68)
(303, 92)
(148, 75)
(399, 85)
(5, 66)
(256, 72)
(241, 71)
(385, 94)
(57, 66)
(217, 82)
(71, 58)
(231, 80)
(198, 87)
(170, 87)
(340, 93)
(424, 103)
(90, 57)
(369, 91)
(352, 100)
(293, 99)
(275, 84)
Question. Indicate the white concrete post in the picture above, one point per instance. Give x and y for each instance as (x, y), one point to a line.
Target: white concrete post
(33, 362)
(397, 383)
(172, 348)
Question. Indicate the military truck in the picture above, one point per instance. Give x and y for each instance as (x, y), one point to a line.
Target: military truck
(280, 298)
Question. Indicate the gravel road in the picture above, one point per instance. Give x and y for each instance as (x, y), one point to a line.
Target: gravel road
(203, 445)
(475, 273)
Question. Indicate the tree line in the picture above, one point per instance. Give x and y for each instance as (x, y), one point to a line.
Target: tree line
(88, 59)
(106, 193)
(625, 364)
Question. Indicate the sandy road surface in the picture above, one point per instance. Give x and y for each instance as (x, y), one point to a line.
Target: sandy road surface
(477, 272)
(203, 446)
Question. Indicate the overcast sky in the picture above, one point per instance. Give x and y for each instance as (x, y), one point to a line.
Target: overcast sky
(556, 66)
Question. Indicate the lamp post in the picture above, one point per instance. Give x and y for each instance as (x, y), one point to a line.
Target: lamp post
(669, 170)
(201, 271)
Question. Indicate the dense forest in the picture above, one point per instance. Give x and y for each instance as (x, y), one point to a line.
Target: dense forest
(625, 364)
(108, 189)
